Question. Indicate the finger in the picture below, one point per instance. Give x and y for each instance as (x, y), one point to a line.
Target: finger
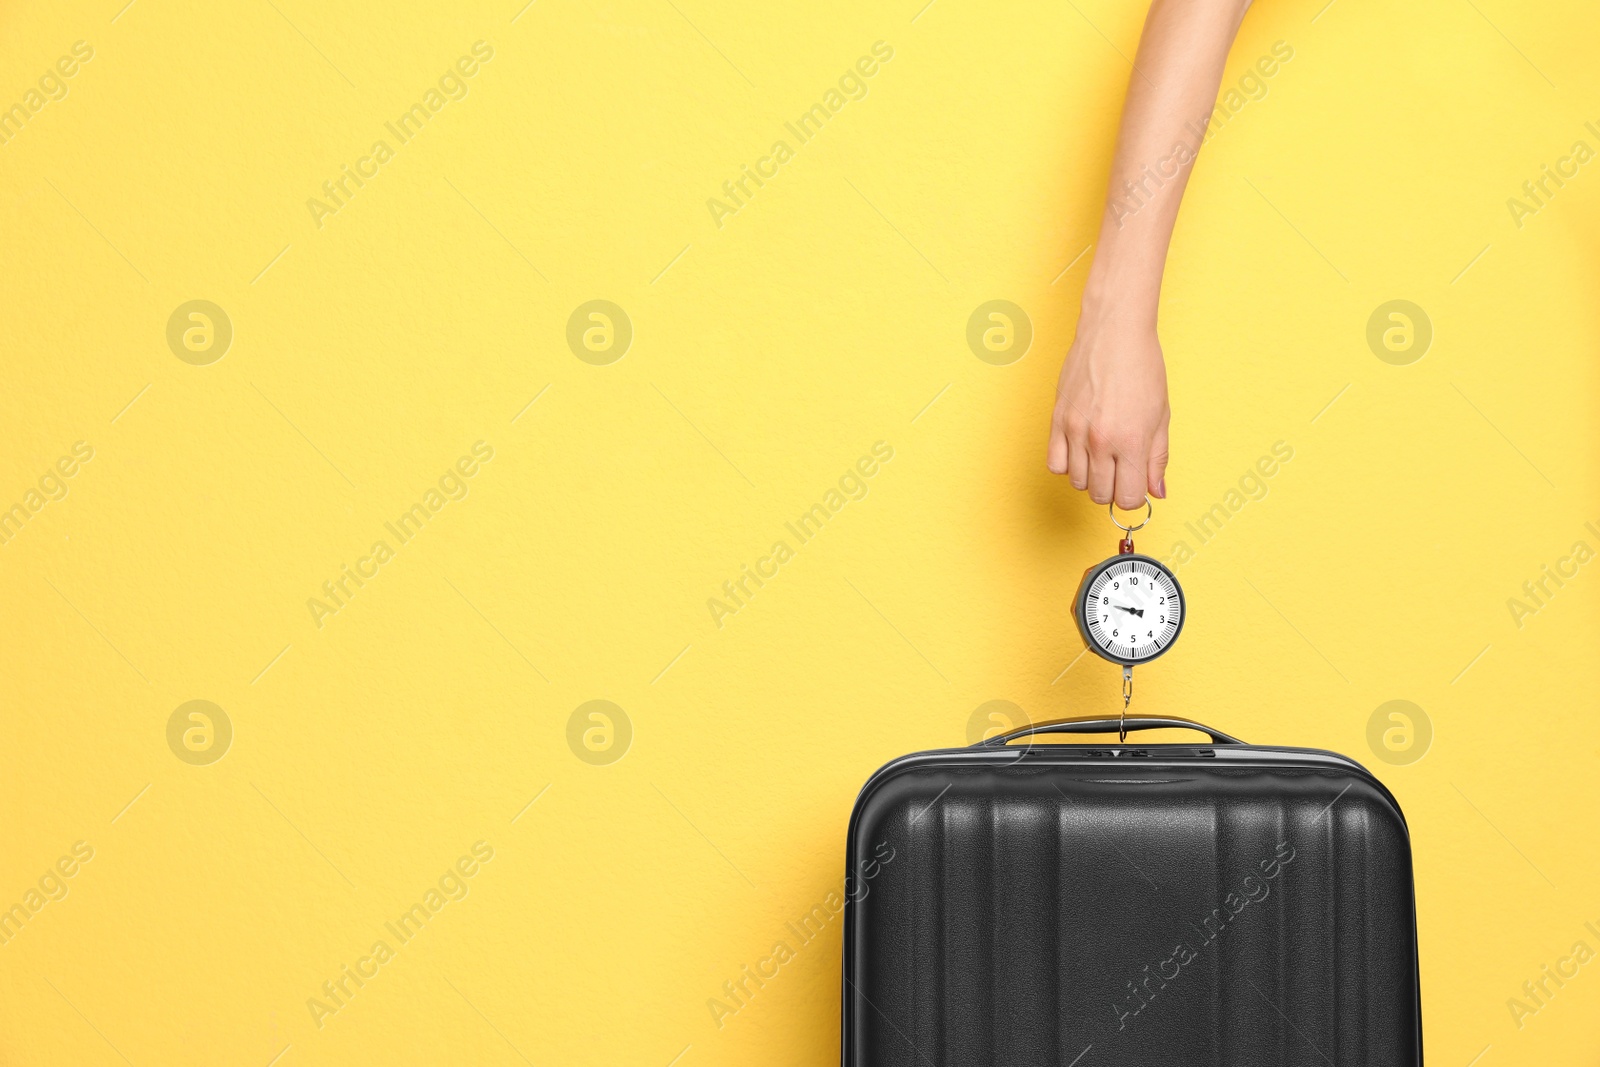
(1130, 482)
(1078, 464)
(1055, 456)
(1077, 453)
(1157, 473)
(1102, 475)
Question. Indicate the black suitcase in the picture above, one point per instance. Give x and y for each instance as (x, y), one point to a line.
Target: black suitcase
(1140, 905)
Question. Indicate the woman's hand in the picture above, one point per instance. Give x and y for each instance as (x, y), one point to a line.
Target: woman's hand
(1109, 430)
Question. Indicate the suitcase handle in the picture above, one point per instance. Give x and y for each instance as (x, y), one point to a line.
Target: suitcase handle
(1103, 726)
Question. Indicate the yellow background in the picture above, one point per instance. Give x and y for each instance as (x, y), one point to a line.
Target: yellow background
(768, 354)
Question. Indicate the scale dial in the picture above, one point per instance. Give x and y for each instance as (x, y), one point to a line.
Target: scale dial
(1130, 609)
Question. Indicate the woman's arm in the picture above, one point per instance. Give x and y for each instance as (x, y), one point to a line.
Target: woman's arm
(1109, 429)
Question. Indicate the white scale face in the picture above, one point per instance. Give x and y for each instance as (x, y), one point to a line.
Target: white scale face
(1133, 609)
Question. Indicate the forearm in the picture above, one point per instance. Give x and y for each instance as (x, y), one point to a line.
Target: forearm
(1170, 96)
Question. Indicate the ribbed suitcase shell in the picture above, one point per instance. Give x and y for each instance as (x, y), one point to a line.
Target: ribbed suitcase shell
(1070, 905)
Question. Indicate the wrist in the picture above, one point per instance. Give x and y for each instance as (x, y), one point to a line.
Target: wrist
(1124, 281)
(1108, 298)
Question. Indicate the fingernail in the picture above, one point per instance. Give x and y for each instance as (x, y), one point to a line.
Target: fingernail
(1161, 488)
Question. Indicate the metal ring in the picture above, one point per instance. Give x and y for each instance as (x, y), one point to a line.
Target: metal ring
(1150, 510)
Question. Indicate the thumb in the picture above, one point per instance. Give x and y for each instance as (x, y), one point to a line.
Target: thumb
(1157, 470)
